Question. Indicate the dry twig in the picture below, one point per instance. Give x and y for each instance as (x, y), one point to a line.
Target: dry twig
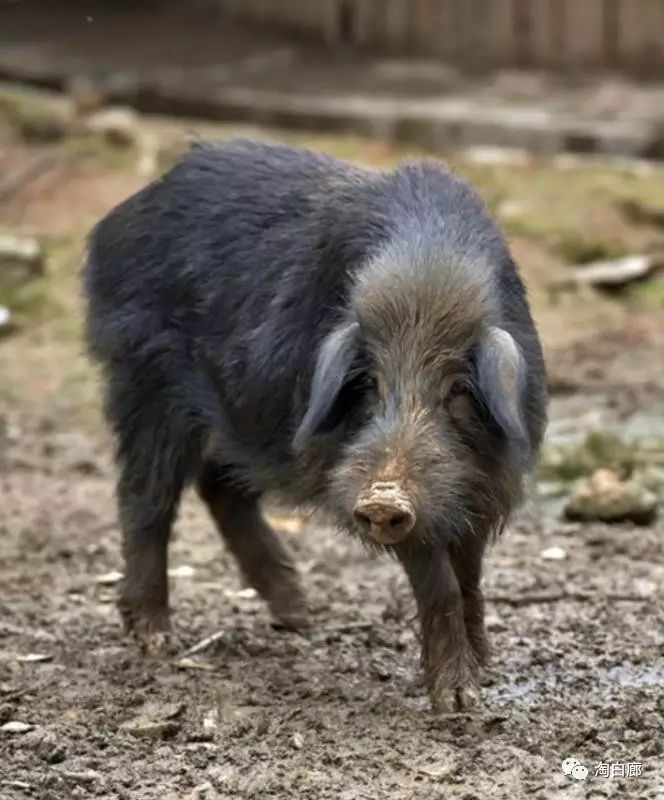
(28, 173)
(557, 597)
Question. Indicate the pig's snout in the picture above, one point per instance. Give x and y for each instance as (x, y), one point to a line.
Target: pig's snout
(385, 513)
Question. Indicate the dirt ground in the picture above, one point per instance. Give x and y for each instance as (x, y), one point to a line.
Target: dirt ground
(339, 713)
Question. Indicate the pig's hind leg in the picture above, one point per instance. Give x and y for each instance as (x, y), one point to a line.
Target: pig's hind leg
(156, 453)
(262, 557)
(450, 665)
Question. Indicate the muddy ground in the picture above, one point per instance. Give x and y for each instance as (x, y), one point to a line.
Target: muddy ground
(341, 712)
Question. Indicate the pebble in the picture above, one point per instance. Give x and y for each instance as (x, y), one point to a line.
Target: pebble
(118, 126)
(211, 720)
(84, 778)
(202, 791)
(495, 623)
(191, 663)
(607, 274)
(242, 594)
(553, 554)
(151, 729)
(156, 721)
(183, 571)
(14, 726)
(605, 497)
(46, 745)
(21, 257)
(6, 321)
(109, 578)
(33, 658)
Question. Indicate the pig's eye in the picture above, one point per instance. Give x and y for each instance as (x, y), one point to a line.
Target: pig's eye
(456, 389)
(458, 399)
(453, 386)
(375, 386)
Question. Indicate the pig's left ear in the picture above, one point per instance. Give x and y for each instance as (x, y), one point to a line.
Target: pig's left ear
(501, 374)
(332, 371)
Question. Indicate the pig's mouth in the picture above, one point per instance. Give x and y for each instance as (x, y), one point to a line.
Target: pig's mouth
(385, 513)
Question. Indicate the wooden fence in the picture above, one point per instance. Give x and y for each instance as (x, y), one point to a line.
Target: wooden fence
(624, 34)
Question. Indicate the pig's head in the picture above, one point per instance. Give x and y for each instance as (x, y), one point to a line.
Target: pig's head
(425, 391)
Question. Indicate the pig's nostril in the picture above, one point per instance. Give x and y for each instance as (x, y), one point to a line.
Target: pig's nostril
(398, 521)
(363, 520)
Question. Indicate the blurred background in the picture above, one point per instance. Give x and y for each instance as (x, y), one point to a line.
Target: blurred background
(554, 110)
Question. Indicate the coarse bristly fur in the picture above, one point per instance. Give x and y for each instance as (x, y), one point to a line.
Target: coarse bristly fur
(270, 319)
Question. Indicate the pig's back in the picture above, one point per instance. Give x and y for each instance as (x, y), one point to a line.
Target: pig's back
(221, 230)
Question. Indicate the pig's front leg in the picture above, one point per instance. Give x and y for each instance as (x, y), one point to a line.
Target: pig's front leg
(467, 557)
(450, 666)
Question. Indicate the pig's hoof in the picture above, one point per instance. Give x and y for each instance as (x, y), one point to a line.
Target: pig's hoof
(152, 634)
(290, 610)
(158, 644)
(451, 701)
(292, 618)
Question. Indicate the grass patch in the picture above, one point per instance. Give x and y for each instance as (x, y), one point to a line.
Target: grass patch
(648, 294)
(599, 449)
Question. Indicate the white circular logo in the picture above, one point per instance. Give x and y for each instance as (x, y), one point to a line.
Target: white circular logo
(569, 764)
(574, 769)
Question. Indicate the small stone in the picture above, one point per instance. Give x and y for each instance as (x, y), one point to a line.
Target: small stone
(155, 722)
(490, 155)
(298, 741)
(17, 727)
(644, 588)
(202, 792)
(618, 273)
(164, 710)
(6, 322)
(150, 729)
(118, 126)
(21, 259)
(109, 578)
(85, 94)
(242, 594)
(553, 554)
(211, 720)
(43, 123)
(652, 478)
(84, 778)
(184, 571)
(191, 663)
(33, 658)
(607, 498)
(495, 624)
(513, 209)
(46, 745)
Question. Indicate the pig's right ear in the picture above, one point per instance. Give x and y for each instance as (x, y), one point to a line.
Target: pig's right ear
(333, 366)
